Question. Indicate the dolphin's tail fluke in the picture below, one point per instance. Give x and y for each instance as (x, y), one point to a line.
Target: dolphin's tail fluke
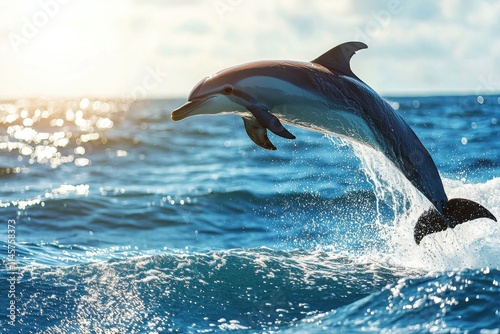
(456, 211)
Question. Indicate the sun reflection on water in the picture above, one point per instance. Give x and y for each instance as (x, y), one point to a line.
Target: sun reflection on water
(53, 132)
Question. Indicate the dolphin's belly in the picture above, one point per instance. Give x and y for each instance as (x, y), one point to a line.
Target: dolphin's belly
(306, 107)
(329, 121)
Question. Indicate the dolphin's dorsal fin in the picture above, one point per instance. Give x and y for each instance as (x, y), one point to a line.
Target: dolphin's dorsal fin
(337, 59)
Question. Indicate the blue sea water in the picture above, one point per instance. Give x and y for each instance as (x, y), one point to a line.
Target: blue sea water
(116, 219)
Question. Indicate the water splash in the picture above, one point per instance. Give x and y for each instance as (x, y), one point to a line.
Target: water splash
(399, 205)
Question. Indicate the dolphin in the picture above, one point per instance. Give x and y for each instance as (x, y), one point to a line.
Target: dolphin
(324, 95)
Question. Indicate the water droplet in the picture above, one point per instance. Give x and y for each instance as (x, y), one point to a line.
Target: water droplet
(473, 125)
(464, 141)
(480, 99)
(394, 105)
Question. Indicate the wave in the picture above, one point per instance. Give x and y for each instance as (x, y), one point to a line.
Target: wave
(309, 219)
(257, 288)
(372, 224)
(453, 302)
(391, 284)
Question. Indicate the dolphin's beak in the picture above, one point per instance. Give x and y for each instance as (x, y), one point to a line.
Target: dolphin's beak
(187, 108)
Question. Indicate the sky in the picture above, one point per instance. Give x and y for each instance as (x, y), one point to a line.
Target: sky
(162, 48)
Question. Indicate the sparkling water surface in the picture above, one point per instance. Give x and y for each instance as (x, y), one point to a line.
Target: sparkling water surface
(116, 219)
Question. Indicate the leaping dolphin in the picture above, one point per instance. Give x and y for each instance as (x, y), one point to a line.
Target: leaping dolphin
(324, 95)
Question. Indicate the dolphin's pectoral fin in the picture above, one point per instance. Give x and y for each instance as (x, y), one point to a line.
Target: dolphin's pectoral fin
(258, 133)
(338, 58)
(269, 121)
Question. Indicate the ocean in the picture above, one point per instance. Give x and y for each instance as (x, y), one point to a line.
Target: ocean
(117, 220)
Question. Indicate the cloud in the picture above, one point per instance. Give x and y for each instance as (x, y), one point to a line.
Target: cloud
(105, 48)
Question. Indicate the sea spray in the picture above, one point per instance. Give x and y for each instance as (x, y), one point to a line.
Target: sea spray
(467, 246)
(397, 202)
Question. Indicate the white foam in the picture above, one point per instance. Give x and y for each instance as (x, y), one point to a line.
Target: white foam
(470, 245)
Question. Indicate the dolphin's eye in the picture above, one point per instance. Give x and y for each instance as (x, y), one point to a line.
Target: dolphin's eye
(228, 90)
